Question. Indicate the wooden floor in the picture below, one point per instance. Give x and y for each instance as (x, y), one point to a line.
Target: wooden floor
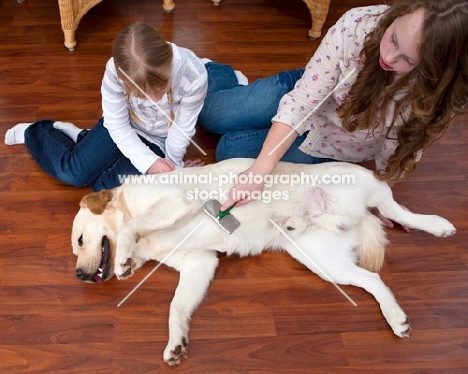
(266, 314)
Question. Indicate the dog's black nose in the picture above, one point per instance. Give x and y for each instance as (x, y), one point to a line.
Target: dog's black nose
(80, 274)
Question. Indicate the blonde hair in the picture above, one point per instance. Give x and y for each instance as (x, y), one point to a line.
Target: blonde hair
(437, 88)
(143, 60)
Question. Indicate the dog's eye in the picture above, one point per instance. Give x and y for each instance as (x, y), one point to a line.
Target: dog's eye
(80, 240)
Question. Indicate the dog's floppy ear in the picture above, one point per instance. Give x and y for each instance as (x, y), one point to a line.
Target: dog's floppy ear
(96, 202)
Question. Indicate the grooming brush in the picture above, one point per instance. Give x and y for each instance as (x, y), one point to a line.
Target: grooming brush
(224, 219)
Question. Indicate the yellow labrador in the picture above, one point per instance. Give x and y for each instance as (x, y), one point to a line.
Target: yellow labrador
(319, 214)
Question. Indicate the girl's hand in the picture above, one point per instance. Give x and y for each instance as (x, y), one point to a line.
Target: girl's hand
(161, 165)
(387, 222)
(243, 193)
(279, 139)
(193, 163)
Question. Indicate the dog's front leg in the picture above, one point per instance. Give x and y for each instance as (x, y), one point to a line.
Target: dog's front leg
(159, 216)
(196, 272)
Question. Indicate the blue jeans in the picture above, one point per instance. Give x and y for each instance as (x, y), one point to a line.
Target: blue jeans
(242, 114)
(95, 160)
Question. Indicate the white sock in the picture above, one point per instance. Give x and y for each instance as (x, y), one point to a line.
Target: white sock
(69, 129)
(241, 78)
(15, 135)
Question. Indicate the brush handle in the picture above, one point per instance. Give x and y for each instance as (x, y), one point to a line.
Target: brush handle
(224, 213)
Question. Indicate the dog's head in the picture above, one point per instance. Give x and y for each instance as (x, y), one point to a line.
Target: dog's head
(94, 237)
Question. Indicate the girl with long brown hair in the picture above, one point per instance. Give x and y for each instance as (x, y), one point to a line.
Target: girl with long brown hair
(384, 84)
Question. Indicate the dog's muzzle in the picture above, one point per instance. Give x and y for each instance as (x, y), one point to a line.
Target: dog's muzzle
(102, 272)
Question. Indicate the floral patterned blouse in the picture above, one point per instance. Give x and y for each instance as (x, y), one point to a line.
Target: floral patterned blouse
(311, 105)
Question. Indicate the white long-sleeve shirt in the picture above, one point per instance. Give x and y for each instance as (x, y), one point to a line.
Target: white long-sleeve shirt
(335, 58)
(189, 86)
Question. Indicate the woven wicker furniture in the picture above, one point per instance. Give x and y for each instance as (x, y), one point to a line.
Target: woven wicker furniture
(318, 12)
(168, 5)
(71, 12)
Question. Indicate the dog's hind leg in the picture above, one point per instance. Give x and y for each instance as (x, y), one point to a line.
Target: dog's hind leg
(329, 256)
(382, 198)
(433, 224)
(196, 272)
(372, 283)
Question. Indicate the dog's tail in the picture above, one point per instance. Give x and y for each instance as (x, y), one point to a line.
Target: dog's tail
(373, 243)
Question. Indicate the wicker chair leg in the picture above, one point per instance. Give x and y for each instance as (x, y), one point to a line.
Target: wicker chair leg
(318, 11)
(70, 41)
(168, 6)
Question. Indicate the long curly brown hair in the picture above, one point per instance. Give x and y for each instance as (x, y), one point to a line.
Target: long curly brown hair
(437, 88)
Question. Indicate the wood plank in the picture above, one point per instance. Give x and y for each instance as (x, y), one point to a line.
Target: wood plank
(264, 314)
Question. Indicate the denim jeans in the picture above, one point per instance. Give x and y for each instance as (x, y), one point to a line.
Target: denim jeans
(242, 114)
(95, 160)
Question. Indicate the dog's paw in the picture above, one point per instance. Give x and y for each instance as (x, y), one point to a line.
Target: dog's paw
(399, 322)
(441, 227)
(174, 353)
(123, 269)
(402, 329)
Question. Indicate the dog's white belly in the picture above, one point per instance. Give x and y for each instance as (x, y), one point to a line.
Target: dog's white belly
(201, 232)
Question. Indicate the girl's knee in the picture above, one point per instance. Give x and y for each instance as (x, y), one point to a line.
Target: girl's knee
(245, 144)
(37, 128)
(75, 180)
